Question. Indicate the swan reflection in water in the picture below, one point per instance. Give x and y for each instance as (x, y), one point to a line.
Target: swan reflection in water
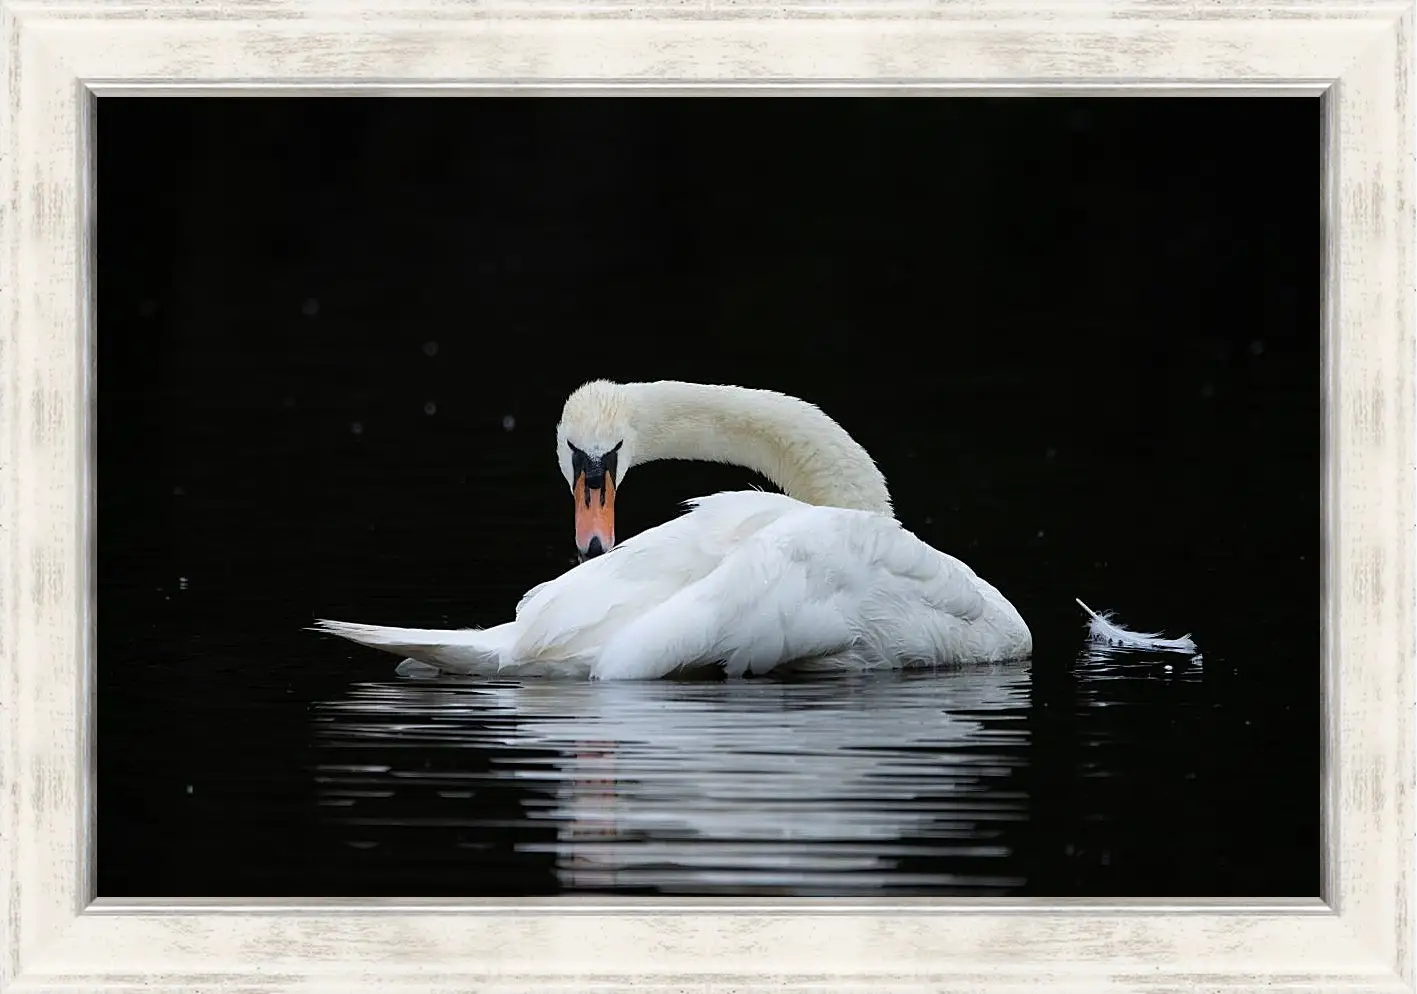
(894, 782)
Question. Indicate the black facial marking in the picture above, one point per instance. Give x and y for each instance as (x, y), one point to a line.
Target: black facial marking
(595, 469)
(579, 462)
(611, 459)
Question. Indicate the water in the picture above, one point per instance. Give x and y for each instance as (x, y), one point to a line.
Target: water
(1079, 337)
(889, 784)
(745, 788)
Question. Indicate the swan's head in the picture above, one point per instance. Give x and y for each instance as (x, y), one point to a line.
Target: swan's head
(595, 443)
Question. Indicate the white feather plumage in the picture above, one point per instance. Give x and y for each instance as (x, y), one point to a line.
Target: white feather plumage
(1105, 632)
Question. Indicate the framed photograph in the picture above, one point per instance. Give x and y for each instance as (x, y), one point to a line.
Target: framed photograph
(894, 497)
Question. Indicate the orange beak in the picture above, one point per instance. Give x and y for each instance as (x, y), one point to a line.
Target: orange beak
(595, 516)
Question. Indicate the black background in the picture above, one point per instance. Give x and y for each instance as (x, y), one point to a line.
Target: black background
(1079, 336)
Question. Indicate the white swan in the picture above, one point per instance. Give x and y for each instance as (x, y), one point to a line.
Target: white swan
(821, 576)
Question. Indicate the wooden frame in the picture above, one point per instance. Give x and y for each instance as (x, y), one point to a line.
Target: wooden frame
(61, 55)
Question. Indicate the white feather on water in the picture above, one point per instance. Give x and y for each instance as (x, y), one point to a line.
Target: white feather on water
(1107, 633)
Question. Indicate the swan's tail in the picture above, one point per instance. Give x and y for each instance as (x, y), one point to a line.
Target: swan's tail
(473, 651)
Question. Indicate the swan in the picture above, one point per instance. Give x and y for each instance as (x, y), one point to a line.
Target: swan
(821, 575)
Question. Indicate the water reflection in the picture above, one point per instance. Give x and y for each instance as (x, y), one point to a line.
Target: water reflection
(892, 783)
(1102, 662)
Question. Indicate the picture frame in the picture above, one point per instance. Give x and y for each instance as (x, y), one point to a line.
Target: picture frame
(64, 55)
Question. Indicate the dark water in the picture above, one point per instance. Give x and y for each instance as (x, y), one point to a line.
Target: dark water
(897, 784)
(744, 788)
(1079, 337)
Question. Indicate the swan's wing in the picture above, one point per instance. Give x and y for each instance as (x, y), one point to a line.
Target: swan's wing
(925, 605)
(529, 596)
(819, 582)
(577, 612)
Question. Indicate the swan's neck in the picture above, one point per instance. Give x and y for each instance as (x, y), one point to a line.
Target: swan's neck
(789, 441)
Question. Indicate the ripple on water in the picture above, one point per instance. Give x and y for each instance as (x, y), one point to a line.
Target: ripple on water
(889, 783)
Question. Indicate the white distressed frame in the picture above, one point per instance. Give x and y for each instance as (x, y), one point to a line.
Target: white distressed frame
(61, 54)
